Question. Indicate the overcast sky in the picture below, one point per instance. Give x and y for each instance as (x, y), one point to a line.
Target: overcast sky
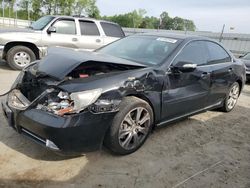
(208, 15)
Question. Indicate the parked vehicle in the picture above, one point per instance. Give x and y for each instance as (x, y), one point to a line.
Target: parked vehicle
(246, 59)
(75, 101)
(22, 46)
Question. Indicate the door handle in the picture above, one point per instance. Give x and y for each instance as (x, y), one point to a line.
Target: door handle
(204, 75)
(74, 39)
(98, 40)
(230, 70)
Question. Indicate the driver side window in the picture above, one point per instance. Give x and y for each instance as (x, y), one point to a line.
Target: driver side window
(194, 53)
(67, 27)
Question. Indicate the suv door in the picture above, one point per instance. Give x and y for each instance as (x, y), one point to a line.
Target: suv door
(112, 32)
(65, 34)
(187, 92)
(90, 38)
(221, 65)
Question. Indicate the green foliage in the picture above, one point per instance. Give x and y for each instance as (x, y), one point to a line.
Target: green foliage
(134, 19)
(38, 8)
(131, 19)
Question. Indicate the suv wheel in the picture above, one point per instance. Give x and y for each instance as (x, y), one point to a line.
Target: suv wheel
(131, 126)
(20, 56)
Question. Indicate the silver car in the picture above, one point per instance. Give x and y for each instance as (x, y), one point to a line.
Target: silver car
(19, 47)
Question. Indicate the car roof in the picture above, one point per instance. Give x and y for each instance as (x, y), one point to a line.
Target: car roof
(174, 35)
(83, 18)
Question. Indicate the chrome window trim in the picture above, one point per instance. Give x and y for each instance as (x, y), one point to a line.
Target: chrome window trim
(204, 40)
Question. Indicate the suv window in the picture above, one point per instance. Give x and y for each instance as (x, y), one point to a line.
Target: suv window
(112, 30)
(89, 28)
(195, 52)
(217, 53)
(65, 27)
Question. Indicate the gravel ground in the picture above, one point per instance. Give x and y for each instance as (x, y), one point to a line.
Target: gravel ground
(207, 150)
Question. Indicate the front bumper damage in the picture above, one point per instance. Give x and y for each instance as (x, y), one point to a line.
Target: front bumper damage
(69, 134)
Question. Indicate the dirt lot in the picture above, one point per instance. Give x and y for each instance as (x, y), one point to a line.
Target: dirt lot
(207, 150)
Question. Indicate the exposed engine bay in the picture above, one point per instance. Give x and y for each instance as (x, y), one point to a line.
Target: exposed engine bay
(58, 104)
(90, 68)
(61, 102)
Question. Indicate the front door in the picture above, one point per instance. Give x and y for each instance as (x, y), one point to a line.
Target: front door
(65, 35)
(187, 92)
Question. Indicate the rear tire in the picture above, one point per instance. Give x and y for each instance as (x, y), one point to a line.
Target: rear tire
(20, 56)
(231, 98)
(131, 126)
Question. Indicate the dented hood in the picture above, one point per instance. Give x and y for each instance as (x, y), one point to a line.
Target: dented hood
(61, 61)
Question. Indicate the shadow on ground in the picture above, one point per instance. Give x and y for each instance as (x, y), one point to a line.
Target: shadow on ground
(170, 155)
(4, 66)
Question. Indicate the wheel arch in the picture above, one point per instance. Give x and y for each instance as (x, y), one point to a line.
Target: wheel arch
(144, 98)
(239, 81)
(29, 45)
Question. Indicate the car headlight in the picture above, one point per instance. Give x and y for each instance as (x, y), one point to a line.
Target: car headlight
(84, 99)
(63, 103)
(17, 100)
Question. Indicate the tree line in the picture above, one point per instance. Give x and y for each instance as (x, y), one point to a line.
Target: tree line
(34, 9)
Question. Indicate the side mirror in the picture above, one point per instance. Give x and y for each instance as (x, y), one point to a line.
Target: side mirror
(185, 66)
(51, 29)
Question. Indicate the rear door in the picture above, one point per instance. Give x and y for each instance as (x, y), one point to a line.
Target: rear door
(90, 36)
(65, 35)
(112, 32)
(221, 65)
(187, 92)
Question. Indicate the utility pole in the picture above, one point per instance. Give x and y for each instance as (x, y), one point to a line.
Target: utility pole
(9, 12)
(28, 9)
(222, 32)
(3, 11)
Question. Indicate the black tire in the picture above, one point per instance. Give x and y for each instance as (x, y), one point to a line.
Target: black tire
(226, 107)
(19, 49)
(112, 138)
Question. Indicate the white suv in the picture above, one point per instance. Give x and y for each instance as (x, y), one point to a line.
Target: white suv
(19, 47)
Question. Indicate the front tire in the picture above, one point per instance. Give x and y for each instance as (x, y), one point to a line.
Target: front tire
(20, 56)
(131, 126)
(231, 98)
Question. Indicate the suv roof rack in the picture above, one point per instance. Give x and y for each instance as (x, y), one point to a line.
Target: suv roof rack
(78, 16)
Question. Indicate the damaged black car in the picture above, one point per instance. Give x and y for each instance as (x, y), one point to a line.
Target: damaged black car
(74, 101)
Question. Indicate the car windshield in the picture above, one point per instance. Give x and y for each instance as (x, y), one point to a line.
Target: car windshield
(247, 56)
(42, 22)
(148, 50)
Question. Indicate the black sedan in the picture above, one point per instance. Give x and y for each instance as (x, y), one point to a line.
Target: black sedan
(73, 101)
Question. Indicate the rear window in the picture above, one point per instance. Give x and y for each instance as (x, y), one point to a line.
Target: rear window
(89, 28)
(112, 30)
(217, 53)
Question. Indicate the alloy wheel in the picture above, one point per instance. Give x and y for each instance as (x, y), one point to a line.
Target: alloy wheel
(134, 128)
(233, 96)
(22, 59)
